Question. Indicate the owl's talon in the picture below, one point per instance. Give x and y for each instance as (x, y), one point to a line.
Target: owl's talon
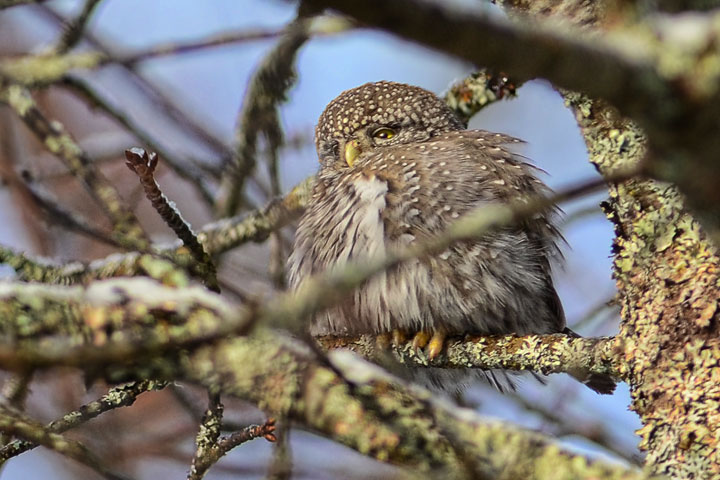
(384, 340)
(437, 342)
(420, 340)
(398, 337)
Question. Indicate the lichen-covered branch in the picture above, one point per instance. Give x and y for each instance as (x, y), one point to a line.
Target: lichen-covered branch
(39, 70)
(226, 234)
(111, 321)
(206, 438)
(668, 278)
(119, 396)
(216, 238)
(126, 229)
(476, 91)
(213, 452)
(131, 329)
(286, 382)
(15, 424)
(539, 353)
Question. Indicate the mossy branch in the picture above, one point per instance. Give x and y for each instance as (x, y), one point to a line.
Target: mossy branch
(539, 353)
(391, 423)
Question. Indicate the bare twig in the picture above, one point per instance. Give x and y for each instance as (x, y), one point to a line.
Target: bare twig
(125, 227)
(281, 464)
(218, 40)
(188, 171)
(55, 213)
(277, 258)
(14, 392)
(259, 116)
(143, 164)
(12, 3)
(74, 29)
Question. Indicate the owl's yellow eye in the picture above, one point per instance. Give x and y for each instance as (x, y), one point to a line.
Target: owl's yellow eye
(383, 133)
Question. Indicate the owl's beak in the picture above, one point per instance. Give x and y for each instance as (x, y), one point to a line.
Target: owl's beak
(352, 150)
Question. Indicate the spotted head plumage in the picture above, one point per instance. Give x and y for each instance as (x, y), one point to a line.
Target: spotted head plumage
(411, 113)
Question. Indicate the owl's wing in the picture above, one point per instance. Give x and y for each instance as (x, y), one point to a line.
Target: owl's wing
(505, 274)
(442, 179)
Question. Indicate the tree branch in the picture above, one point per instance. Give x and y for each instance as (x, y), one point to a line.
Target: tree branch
(539, 353)
(126, 229)
(119, 396)
(259, 114)
(14, 424)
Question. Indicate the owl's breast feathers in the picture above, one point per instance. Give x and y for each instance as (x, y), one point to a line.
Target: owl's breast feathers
(396, 195)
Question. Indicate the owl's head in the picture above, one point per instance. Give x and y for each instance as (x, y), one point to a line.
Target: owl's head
(376, 115)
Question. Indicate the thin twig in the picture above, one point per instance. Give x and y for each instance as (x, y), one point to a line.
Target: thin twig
(12, 3)
(259, 116)
(188, 171)
(55, 213)
(119, 396)
(207, 437)
(126, 229)
(277, 258)
(74, 29)
(143, 164)
(14, 392)
(281, 464)
(15, 424)
(217, 40)
(227, 443)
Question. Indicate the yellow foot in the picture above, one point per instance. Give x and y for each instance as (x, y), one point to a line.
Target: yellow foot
(437, 342)
(434, 343)
(385, 339)
(420, 340)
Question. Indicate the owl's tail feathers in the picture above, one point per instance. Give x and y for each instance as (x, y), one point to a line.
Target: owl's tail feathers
(597, 382)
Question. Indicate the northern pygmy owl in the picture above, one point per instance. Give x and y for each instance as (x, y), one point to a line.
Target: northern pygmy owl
(398, 167)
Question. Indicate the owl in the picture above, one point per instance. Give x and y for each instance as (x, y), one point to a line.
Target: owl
(397, 167)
